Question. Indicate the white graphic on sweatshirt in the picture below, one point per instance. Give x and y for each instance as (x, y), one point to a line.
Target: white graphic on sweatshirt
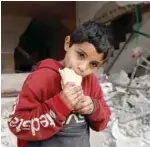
(14, 106)
(34, 124)
(44, 120)
(78, 118)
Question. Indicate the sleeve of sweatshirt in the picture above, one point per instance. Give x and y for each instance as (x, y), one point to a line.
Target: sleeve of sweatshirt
(100, 117)
(33, 119)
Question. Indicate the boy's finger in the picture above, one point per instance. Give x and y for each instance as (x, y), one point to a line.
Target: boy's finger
(77, 94)
(78, 106)
(84, 108)
(68, 85)
(75, 101)
(74, 90)
(84, 103)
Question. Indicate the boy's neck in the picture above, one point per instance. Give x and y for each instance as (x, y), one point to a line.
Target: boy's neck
(62, 62)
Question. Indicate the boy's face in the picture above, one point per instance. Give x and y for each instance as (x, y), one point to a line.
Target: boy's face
(82, 58)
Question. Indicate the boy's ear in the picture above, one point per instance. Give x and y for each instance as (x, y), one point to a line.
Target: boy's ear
(67, 43)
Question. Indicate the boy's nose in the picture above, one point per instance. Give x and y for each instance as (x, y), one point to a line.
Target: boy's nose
(83, 66)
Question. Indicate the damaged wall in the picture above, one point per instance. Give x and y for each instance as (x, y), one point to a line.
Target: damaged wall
(125, 60)
(17, 15)
(87, 10)
(11, 29)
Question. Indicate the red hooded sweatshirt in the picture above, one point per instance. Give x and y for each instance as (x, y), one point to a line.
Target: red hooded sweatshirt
(40, 112)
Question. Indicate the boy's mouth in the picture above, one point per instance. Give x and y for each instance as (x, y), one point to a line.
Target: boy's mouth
(77, 71)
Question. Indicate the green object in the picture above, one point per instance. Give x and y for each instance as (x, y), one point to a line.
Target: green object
(141, 33)
(137, 25)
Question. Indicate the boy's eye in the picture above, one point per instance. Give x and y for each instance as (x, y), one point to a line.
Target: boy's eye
(94, 64)
(81, 55)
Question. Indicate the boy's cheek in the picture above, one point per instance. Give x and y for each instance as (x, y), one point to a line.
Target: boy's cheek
(90, 72)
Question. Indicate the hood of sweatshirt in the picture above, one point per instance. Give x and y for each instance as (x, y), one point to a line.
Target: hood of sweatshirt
(51, 64)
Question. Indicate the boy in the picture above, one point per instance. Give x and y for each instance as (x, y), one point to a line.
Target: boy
(47, 116)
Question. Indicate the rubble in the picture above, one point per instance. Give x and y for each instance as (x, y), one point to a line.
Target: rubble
(130, 120)
(7, 138)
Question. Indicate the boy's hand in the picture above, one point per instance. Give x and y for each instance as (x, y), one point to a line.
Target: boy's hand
(85, 105)
(71, 94)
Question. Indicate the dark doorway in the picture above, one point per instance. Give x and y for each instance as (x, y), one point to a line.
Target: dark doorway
(41, 40)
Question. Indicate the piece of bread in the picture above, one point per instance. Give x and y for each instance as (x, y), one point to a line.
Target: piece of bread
(69, 75)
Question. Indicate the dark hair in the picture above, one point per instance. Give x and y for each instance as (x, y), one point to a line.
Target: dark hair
(95, 33)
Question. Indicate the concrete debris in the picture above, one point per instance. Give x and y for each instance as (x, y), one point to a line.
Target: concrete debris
(7, 138)
(131, 110)
(121, 78)
(129, 124)
(12, 84)
(147, 135)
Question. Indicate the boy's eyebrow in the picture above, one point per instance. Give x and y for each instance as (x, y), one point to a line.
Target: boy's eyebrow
(97, 62)
(83, 52)
(87, 55)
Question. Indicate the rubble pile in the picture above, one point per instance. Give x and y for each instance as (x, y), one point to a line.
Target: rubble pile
(130, 120)
(130, 107)
(7, 138)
